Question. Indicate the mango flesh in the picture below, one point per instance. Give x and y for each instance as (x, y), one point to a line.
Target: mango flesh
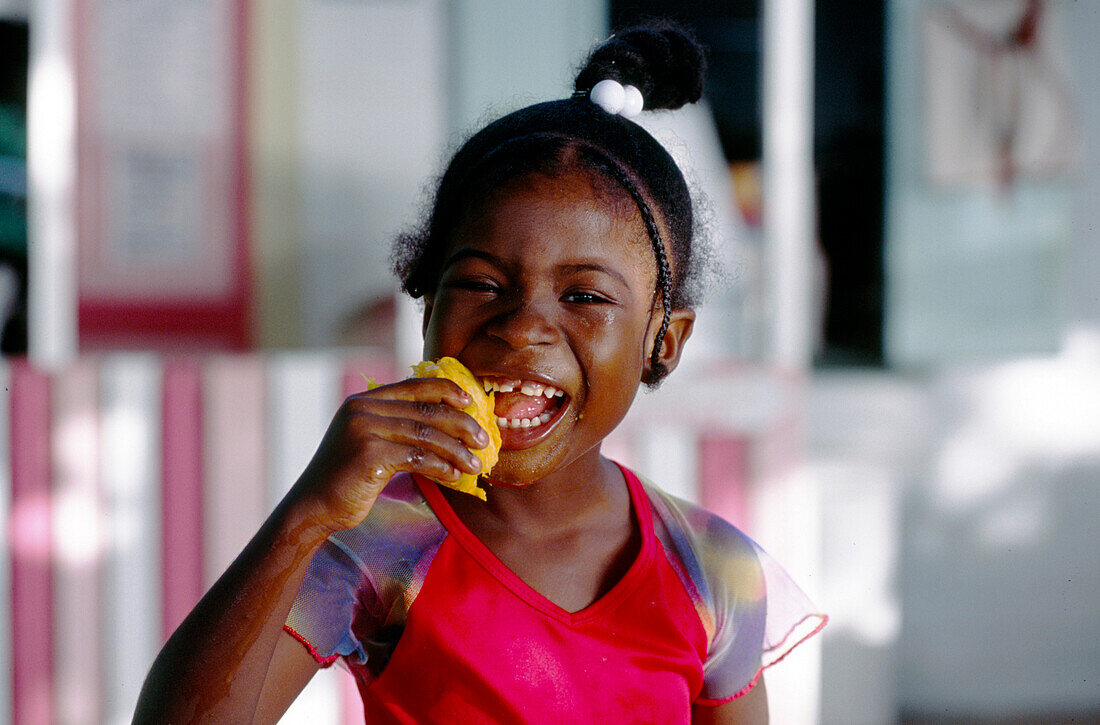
(481, 410)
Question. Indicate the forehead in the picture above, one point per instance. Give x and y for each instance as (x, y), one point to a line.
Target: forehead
(574, 211)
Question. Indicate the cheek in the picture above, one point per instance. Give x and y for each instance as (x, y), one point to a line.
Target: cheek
(616, 342)
(610, 329)
(440, 327)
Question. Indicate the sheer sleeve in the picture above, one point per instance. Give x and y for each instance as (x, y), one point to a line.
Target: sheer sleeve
(760, 615)
(335, 595)
(361, 581)
(752, 610)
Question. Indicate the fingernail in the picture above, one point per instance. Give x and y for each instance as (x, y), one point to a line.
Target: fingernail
(475, 462)
(482, 437)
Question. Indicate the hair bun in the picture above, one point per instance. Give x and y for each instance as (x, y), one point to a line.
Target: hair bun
(661, 58)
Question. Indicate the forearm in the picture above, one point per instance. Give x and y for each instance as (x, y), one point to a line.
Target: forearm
(212, 668)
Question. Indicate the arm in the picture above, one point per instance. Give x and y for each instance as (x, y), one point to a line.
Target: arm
(291, 669)
(215, 665)
(749, 709)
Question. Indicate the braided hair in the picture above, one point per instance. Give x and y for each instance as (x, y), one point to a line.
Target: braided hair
(667, 65)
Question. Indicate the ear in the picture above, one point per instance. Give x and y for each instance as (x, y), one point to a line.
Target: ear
(680, 324)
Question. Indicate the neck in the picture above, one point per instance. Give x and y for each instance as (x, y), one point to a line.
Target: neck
(570, 498)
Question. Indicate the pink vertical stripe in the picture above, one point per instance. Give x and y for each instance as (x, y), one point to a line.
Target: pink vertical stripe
(380, 368)
(31, 581)
(234, 484)
(181, 492)
(723, 477)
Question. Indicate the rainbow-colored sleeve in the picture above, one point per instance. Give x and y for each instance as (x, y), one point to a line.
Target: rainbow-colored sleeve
(751, 609)
(365, 578)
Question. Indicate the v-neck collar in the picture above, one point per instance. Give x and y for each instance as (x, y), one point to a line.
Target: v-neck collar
(511, 581)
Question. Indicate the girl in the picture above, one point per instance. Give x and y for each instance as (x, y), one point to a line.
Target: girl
(557, 265)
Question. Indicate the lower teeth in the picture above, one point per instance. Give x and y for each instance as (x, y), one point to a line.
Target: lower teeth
(524, 422)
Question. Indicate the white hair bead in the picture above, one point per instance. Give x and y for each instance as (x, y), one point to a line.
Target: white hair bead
(632, 102)
(608, 95)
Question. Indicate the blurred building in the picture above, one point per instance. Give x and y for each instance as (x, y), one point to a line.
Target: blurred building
(215, 185)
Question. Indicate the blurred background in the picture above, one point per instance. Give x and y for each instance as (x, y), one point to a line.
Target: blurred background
(894, 385)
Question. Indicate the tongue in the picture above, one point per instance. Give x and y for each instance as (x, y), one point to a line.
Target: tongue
(514, 406)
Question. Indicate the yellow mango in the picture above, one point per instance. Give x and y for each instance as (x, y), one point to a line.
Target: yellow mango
(481, 410)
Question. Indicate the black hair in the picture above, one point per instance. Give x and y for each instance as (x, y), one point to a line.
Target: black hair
(662, 60)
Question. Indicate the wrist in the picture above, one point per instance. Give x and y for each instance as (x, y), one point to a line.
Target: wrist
(302, 525)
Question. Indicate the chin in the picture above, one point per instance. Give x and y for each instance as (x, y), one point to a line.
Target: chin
(522, 468)
(513, 476)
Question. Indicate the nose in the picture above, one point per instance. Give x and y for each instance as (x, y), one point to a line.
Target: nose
(525, 323)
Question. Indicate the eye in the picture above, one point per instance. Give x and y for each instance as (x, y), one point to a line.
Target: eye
(585, 297)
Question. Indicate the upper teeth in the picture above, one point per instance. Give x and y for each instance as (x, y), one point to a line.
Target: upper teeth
(527, 387)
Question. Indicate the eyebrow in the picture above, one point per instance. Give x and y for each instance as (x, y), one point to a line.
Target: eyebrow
(569, 268)
(467, 253)
(593, 267)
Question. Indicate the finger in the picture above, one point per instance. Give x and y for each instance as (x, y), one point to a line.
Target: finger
(453, 422)
(422, 435)
(416, 459)
(432, 390)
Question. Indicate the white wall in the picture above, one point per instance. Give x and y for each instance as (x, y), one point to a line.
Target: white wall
(14, 9)
(999, 585)
(865, 433)
(506, 54)
(963, 501)
(372, 120)
(357, 106)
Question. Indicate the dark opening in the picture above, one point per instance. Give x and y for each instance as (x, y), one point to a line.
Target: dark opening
(14, 38)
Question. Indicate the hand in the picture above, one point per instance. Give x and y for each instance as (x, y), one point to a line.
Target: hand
(415, 425)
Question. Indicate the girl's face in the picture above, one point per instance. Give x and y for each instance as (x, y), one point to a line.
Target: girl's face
(547, 293)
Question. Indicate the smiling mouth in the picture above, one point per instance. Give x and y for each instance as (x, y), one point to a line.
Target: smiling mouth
(524, 404)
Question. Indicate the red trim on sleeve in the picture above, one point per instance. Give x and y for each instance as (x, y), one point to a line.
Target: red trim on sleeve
(740, 693)
(323, 660)
(823, 619)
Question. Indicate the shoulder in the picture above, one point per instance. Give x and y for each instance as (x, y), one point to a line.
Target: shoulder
(752, 610)
(692, 531)
(719, 566)
(722, 570)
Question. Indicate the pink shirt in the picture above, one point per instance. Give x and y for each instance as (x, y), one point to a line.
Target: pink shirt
(435, 628)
